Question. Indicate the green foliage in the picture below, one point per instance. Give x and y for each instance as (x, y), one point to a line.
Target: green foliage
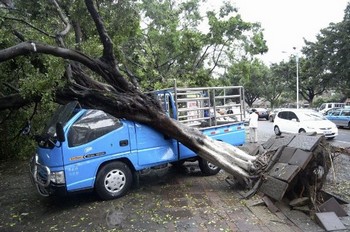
(273, 86)
(251, 75)
(283, 86)
(33, 80)
(329, 57)
(172, 45)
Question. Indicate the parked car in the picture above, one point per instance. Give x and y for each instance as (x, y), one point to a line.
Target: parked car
(331, 110)
(340, 116)
(236, 114)
(327, 106)
(272, 114)
(304, 121)
(246, 118)
(262, 112)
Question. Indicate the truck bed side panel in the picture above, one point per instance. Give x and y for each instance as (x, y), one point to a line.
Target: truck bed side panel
(233, 134)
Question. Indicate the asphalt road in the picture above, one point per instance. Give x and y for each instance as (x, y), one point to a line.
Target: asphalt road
(265, 131)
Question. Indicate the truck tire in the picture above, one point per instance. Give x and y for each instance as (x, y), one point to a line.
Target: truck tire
(113, 180)
(208, 168)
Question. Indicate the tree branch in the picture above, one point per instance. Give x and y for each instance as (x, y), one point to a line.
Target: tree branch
(216, 61)
(11, 87)
(16, 101)
(109, 74)
(108, 54)
(195, 65)
(30, 25)
(63, 18)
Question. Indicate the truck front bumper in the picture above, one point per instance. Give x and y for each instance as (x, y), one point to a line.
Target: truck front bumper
(40, 176)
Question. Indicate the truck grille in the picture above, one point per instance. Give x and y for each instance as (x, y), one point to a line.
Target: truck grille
(40, 173)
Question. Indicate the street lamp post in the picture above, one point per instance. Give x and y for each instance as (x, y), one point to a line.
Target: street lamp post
(297, 73)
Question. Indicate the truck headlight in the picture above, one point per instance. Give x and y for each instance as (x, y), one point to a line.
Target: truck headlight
(57, 177)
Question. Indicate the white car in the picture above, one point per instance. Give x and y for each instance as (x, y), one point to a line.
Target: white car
(304, 121)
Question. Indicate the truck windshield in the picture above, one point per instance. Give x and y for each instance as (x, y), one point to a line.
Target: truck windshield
(62, 114)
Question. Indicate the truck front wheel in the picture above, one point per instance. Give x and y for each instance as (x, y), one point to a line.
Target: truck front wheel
(208, 168)
(113, 180)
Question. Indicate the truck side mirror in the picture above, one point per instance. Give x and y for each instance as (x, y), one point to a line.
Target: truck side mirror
(60, 132)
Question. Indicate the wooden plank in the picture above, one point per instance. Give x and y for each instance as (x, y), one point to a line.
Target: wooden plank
(269, 143)
(270, 205)
(276, 157)
(282, 141)
(327, 195)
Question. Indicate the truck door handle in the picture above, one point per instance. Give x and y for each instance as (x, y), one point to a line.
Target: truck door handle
(124, 143)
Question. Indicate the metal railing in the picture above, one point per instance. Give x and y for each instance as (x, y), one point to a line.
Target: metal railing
(204, 106)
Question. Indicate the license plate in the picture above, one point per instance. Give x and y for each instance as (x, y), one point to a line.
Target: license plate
(327, 132)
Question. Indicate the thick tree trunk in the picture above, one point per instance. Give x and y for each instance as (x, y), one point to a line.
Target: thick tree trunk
(143, 108)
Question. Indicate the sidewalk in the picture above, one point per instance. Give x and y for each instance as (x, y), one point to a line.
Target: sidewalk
(191, 202)
(166, 200)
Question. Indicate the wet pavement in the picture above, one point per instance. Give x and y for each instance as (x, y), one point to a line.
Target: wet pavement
(171, 199)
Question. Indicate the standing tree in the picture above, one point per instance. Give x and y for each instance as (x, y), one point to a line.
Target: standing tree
(273, 86)
(251, 75)
(175, 44)
(329, 57)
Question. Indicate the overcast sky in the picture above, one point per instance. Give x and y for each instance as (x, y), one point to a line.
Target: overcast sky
(287, 22)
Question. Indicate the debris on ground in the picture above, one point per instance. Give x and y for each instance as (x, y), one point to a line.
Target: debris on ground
(295, 168)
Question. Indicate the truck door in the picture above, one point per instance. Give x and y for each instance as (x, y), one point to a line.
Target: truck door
(91, 139)
(153, 147)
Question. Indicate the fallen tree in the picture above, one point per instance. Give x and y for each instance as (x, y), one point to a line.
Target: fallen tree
(120, 95)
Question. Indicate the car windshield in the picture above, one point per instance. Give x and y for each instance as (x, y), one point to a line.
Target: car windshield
(311, 116)
(62, 114)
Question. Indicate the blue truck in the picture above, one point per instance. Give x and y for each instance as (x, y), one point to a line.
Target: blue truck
(88, 149)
